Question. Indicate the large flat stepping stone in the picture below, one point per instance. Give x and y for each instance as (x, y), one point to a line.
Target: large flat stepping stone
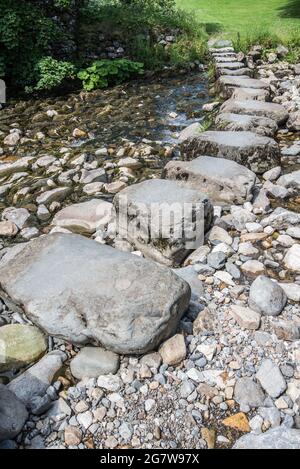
(227, 84)
(224, 181)
(257, 108)
(149, 206)
(244, 72)
(243, 94)
(230, 65)
(240, 122)
(254, 151)
(83, 292)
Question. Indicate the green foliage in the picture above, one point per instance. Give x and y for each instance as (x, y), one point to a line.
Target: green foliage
(103, 73)
(53, 73)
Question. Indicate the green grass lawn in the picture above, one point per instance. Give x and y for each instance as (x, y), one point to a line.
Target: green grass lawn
(248, 17)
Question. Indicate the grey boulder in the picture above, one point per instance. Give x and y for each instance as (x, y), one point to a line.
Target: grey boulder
(83, 292)
(254, 151)
(13, 414)
(152, 214)
(267, 297)
(276, 438)
(224, 181)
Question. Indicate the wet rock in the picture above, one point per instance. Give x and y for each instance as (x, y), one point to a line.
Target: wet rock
(20, 345)
(148, 206)
(85, 217)
(78, 281)
(256, 152)
(36, 380)
(92, 362)
(13, 414)
(222, 180)
(277, 438)
(271, 379)
(267, 297)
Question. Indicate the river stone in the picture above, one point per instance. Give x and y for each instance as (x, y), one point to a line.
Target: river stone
(290, 180)
(13, 414)
(144, 212)
(292, 258)
(254, 151)
(294, 121)
(273, 111)
(36, 379)
(92, 362)
(20, 345)
(18, 216)
(224, 181)
(267, 297)
(240, 122)
(271, 379)
(248, 393)
(55, 195)
(276, 438)
(85, 217)
(20, 165)
(84, 292)
(281, 219)
(190, 131)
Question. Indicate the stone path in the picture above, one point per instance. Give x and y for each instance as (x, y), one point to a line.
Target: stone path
(136, 354)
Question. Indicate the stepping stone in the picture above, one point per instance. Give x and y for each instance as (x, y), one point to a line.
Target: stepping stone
(227, 84)
(224, 181)
(242, 82)
(230, 65)
(149, 206)
(256, 152)
(244, 72)
(243, 94)
(83, 292)
(221, 50)
(257, 108)
(85, 217)
(224, 59)
(240, 122)
(223, 54)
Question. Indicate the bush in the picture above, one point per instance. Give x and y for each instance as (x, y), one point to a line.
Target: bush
(103, 73)
(52, 73)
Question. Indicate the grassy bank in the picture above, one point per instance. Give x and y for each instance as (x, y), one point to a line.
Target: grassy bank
(270, 21)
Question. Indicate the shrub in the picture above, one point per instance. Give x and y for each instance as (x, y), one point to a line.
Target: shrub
(103, 73)
(52, 73)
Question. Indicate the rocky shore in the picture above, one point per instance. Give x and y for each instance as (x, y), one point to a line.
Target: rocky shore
(110, 341)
